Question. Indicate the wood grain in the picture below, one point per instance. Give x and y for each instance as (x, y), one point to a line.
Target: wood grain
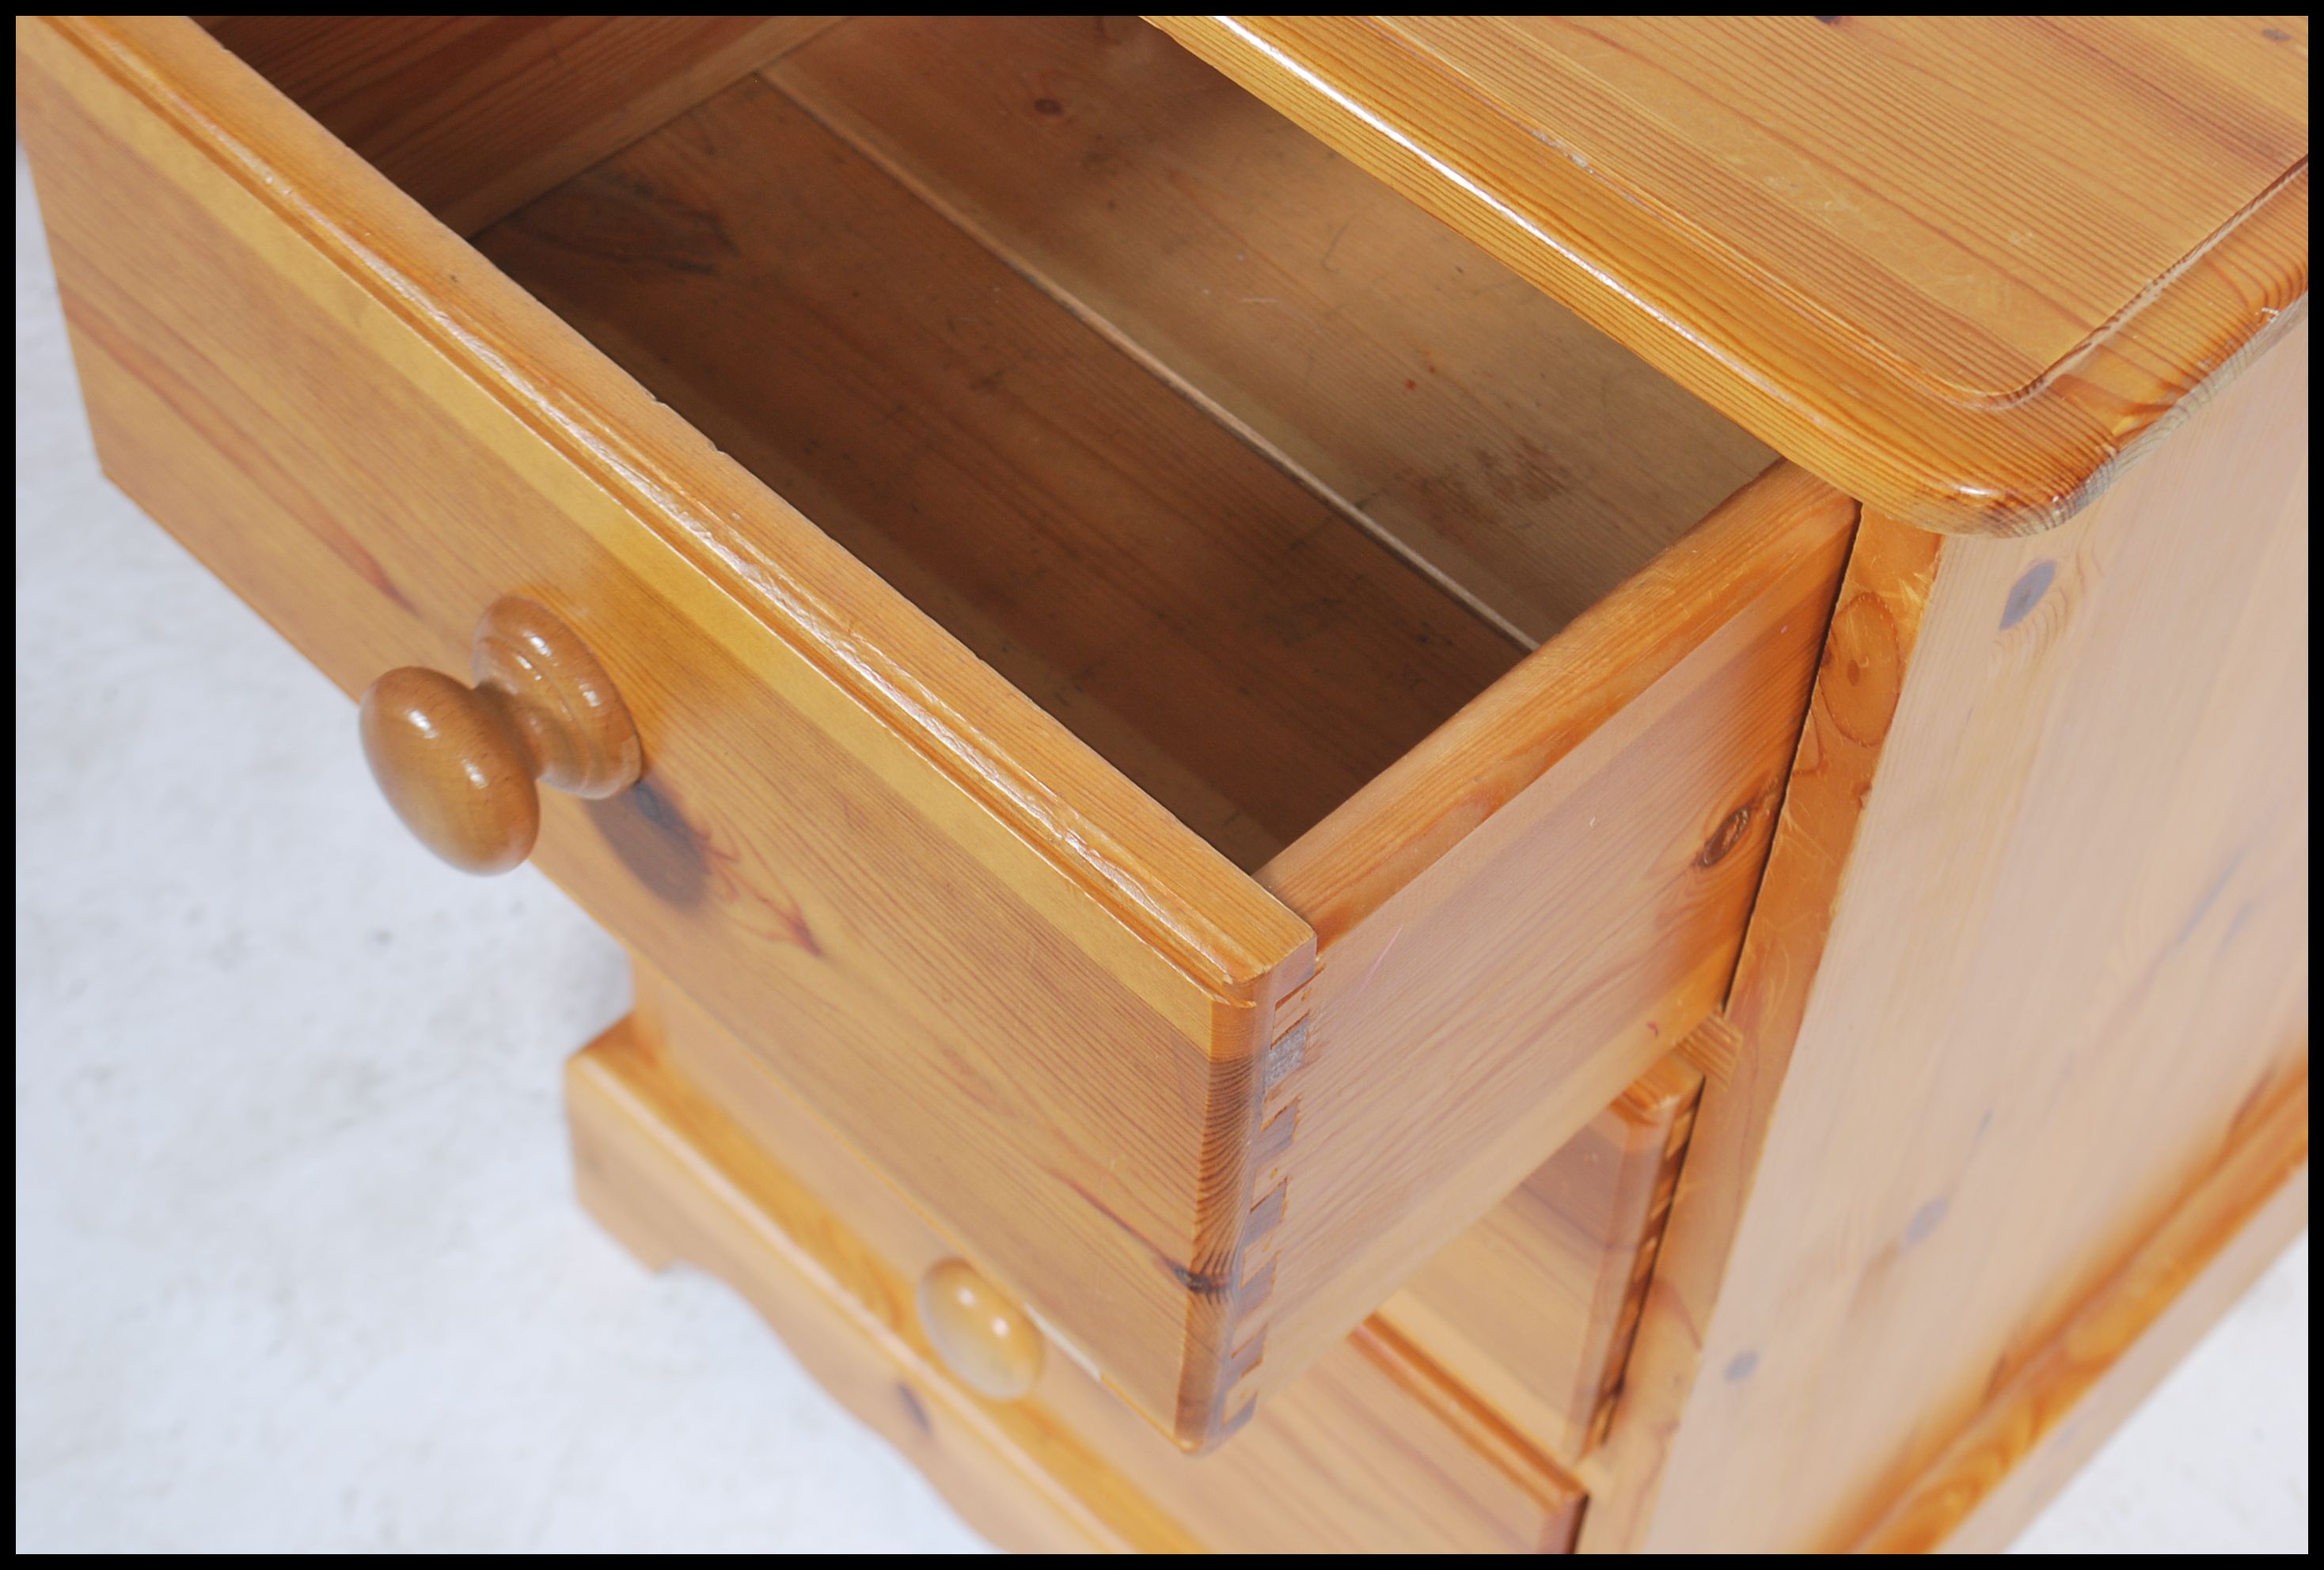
(1520, 454)
(1964, 269)
(2074, 918)
(1750, 560)
(1211, 627)
(1532, 1308)
(473, 116)
(2032, 1434)
(1530, 910)
(1372, 1452)
(1032, 995)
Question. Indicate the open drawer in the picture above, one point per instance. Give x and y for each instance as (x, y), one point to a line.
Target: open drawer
(1204, 726)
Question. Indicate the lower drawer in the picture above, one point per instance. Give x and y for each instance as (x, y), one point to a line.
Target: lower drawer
(1370, 1450)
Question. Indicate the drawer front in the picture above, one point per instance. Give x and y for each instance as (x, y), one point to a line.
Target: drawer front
(1368, 1451)
(1533, 1308)
(1028, 993)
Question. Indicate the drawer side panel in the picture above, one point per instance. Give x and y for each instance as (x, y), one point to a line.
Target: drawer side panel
(1538, 904)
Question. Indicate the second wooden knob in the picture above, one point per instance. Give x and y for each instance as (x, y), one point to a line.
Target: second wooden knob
(990, 1343)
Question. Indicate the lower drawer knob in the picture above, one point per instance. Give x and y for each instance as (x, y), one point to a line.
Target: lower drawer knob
(988, 1343)
(459, 764)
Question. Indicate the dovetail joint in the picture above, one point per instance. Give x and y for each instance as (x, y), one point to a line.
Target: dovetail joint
(1274, 1121)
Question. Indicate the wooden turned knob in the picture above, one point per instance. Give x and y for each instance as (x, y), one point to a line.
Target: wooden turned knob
(458, 764)
(988, 1342)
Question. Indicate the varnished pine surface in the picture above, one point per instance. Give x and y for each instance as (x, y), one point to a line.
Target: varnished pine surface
(1241, 651)
(2063, 1405)
(1963, 268)
(1524, 457)
(1759, 555)
(2072, 909)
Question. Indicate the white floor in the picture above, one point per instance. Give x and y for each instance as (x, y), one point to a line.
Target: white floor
(297, 1267)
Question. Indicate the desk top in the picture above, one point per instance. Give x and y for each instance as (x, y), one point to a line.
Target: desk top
(1962, 268)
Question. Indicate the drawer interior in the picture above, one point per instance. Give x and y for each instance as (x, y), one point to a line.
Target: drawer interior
(1246, 470)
